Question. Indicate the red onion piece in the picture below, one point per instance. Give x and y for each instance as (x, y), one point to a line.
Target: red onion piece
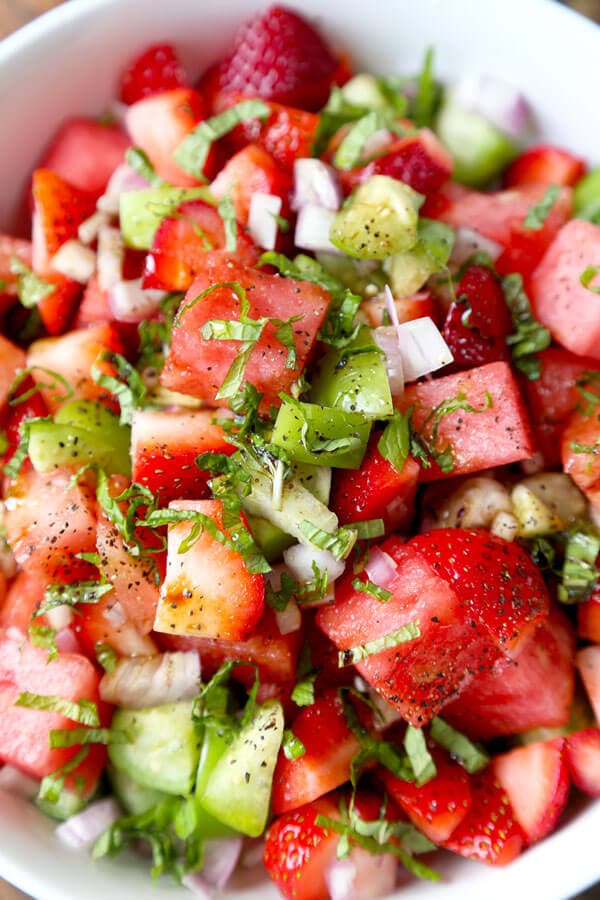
(66, 641)
(219, 861)
(83, 830)
(312, 229)
(129, 302)
(299, 559)
(501, 104)
(381, 568)
(467, 241)
(262, 222)
(198, 886)
(316, 184)
(423, 348)
(361, 875)
(386, 338)
(377, 143)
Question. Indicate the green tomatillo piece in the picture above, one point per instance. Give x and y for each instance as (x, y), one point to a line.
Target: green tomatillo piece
(320, 435)
(141, 212)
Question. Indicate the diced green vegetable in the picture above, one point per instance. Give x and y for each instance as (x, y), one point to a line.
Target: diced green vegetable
(479, 149)
(409, 271)
(271, 540)
(379, 219)
(354, 379)
(163, 749)
(238, 792)
(69, 802)
(320, 435)
(135, 798)
(141, 212)
(316, 479)
(586, 197)
(364, 90)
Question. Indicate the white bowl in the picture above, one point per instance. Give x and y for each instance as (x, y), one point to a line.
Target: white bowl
(67, 62)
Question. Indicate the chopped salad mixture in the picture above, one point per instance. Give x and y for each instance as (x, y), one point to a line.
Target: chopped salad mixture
(300, 440)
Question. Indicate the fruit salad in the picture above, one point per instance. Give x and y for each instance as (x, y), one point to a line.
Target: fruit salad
(299, 437)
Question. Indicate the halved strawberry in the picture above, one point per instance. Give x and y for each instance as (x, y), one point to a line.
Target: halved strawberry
(582, 752)
(588, 663)
(58, 308)
(59, 208)
(438, 807)
(544, 164)
(159, 123)
(157, 69)
(164, 446)
(325, 765)
(499, 585)
(536, 781)
(250, 171)
(86, 152)
(489, 832)
(181, 242)
(207, 591)
(478, 321)
(277, 55)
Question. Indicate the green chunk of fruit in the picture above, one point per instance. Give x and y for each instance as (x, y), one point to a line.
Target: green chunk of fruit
(321, 435)
(141, 212)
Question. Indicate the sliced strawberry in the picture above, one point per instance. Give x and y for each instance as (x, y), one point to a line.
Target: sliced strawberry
(207, 591)
(376, 491)
(496, 580)
(164, 446)
(489, 832)
(94, 306)
(588, 663)
(198, 366)
(157, 69)
(582, 753)
(478, 322)
(536, 781)
(12, 358)
(497, 433)
(250, 171)
(533, 691)
(58, 308)
(418, 160)
(298, 852)
(60, 208)
(544, 164)
(325, 765)
(588, 618)
(85, 153)
(274, 655)
(158, 124)
(277, 55)
(181, 242)
(438, 807)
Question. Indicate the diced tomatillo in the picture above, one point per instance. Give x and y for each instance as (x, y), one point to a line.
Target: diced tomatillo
(321, 435)
(141, 212)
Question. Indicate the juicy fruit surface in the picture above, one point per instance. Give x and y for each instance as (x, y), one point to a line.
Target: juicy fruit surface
(156, 70)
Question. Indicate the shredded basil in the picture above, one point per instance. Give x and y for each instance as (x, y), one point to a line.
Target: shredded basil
(15, 397)
(71, 595)
(83, 711)
(292, 746)
(227, 212)
(472, 757)
(419, 756)
(128, 388)
(106, 657)
(394, 443)
(51, 785)
(72, 737)
(140, 163)
(579, 573)
(340, 543)
(45, 637)
(31, 289)
(350, 657)
(537, 214)
(372, 589)
(304, 691)
(427, 97)
(529, 337)
(587, 276)
(349, 151)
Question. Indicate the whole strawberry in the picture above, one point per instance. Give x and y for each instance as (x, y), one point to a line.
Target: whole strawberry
(278, 56)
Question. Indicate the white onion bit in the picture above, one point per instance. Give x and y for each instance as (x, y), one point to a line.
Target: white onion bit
(75, 261)
(381, 568)
(501, 104)
(111, 255)
(66, 641)
(340, 878)
(83, 830)
(299, 559)
(361, 875)
(467, 241)
(386, 338)
(129, 302)
(377, 143)
(312, 229)
(60, 616)
(422, 347)
(262, 221)
(289, 619)
(122, 179)
(89, 229)
(152, 680)
(316, 184)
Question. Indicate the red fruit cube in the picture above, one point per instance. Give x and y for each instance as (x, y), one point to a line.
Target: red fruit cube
(582, 753)
(545, 164)
(85, 153)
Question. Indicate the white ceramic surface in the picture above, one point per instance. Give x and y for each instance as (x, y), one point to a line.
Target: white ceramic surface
(67, 62)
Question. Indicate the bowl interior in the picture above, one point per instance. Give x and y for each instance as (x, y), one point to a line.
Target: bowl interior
(68, 62)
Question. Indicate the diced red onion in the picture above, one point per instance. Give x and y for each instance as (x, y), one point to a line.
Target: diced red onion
(252, 853)
(152, 680)
(262, 221)
(130, 302)
(89, 229)
(498, 102)
(377, 143)
(122, 179)
(381, 568)
(312, 229)
(111, 255)
(220, 857)
(316, 184)
(75, 261)
(362, 874)
(467, 241)
(386, 338)
(299, 559)
(198, 886)
(289, 619)
(66, 641)
(83, 830)
(14, 781)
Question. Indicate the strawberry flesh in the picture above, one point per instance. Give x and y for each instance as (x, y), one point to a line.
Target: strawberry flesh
(478, 321)
(157, 69)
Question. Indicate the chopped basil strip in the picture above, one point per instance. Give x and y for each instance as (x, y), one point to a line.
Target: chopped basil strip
(15, 397)
(193, 151)
(13, 467)
(45, 637)
(579, 572)
(472, 757)
(350, 150)
(140, 163)
(408, 632)
(106, 657)
(227, 212)
(83, 711)
(419, 756)
(394, 443)
(340, 543)
(292, 746)
(71, 737)
(304, 691)
(428, 93)
(368, 529)
(584, 384)
(372, 589)
(51, 785)
(538, 214)
(587, 276)
(128, 387)
(31, 289)
(71, 595)
(155, 334)
(529, 337)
